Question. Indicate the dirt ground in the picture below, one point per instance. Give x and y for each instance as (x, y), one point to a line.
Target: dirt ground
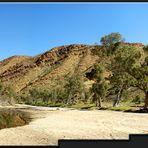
(50, 124)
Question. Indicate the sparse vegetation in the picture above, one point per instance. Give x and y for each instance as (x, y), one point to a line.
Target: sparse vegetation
(100, 87)
(111, 39)
(7, 94)
(115, 77)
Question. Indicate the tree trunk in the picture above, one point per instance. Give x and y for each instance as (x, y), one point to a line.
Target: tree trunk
(118, 98)
(146, 101)
(68, 99)
(98, 102)
(100, 105)
(95, 98)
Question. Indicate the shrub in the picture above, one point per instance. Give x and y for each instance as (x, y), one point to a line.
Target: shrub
(7, 94)
(138, 99)
(145, 48)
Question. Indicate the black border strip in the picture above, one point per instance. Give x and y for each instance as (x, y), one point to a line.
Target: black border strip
(135, 140)
(75, 1)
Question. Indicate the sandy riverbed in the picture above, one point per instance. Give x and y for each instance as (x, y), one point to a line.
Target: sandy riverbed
(50, 124)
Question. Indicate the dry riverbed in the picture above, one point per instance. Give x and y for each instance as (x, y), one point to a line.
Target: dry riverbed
(50, 124)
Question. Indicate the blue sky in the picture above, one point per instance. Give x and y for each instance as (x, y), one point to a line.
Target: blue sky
(30, 29)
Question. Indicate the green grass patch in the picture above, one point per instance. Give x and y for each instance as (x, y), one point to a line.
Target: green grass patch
(124, 108)
(55, 105)
(82, 106)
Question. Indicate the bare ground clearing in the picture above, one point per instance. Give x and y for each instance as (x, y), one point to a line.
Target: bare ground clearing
(50, 124)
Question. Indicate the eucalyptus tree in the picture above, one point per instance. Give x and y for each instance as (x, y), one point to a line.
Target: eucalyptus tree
(100, 87)
(129, 71)
(109, 42)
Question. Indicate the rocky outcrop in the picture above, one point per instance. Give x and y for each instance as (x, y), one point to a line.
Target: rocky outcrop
(21, 71)
(55, 55)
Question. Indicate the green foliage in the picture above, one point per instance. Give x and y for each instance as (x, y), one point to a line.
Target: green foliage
(98, 50)
(111, 42)
(110, 39)
(24, 98)
(100, 86)
(1, 87)
(83, 106)
(38, 96)
(123, 108)
(124, 64)
(138, 99)
(58, 94)
(7, 94)
(74, 87)
(145, 48)
(128, 71)
(66, 91)
(50, 96)
(125, 58)
(10, 92)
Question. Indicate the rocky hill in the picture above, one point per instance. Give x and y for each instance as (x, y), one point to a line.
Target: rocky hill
(40, 71)
(25, 72)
